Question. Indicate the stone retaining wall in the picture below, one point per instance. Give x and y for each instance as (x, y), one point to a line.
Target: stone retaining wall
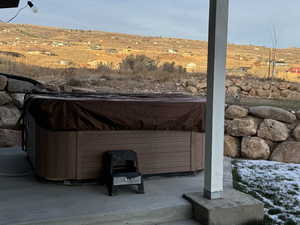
(12, 92)
(262, 132)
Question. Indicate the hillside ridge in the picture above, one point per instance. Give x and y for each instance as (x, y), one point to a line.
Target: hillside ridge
(60, 48)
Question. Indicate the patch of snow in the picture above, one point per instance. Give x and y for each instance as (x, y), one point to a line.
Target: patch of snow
(276, 184)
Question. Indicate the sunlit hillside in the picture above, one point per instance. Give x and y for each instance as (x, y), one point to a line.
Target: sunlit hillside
(65, 48)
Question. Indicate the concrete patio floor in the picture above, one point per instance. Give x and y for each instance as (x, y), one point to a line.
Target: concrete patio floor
(24, 200)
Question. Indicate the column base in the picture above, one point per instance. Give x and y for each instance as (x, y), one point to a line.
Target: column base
(235, 208)
(213, 195)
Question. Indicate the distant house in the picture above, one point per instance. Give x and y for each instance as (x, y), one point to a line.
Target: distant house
(95, 64)
(111, 51)
(187, 54)
(244, 69)
(294, 70)
(281, 63)
(172, 51)
(191, 67)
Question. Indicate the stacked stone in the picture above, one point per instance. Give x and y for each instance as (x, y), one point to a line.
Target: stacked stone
(263, 89)
(12, 92)
(236, 87)
(262, 132)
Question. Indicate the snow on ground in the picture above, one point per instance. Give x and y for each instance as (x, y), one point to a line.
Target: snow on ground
(276, 184)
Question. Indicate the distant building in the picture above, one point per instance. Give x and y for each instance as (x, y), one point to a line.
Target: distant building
(191, 67)
(294, 70)
(244, 69)
(111, 51)
(97, 63)
(172, 51)
(281, 63)
(187, 54)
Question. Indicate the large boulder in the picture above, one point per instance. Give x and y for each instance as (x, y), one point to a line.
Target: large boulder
(273, 130)
(269, 112)
(283, 85)
(235, 111)
(201, 85)
(285, 93)
(228, 83)
(255, 148)
(296, 133)
(9, 116)
(10, 138)
(233, 91)
(3, 82)
(19, 86)
(192, 90)
(271, 144)
(291, 126)
(4, 98)
(232, 146)
(275, 94)
(266, 86)
(245, 87)
(294, 95)
(252, 92)
(241, 127)
(263, 93)
(288, 152)
(18, 99)
(298, 114)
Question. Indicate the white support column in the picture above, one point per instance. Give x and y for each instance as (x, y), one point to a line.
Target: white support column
(214, 140)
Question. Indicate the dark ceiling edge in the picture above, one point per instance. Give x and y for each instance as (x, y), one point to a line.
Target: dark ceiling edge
(9, 4)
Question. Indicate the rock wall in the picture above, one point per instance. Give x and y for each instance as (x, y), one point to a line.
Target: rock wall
(12, 92)
(262, 132)
(248, 87)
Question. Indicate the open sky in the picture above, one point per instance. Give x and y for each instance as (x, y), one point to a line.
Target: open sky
(250, 22)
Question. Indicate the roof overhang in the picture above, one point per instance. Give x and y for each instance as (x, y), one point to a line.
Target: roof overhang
(9, 4)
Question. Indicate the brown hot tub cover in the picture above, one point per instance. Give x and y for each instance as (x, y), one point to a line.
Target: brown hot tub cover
(71, 112)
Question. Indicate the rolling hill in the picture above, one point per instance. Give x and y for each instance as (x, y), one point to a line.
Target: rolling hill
(65, 48)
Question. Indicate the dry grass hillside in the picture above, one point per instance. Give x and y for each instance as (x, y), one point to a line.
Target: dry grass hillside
(45, 51)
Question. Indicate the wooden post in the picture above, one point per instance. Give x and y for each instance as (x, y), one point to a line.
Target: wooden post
(214, 140)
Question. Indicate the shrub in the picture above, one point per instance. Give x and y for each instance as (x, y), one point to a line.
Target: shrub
(172, 68)
(104, 69)
(138, 64)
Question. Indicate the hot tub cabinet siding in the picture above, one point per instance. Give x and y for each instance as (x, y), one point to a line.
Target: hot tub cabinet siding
(67, 155)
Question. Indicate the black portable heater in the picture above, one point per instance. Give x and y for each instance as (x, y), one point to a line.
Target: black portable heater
(121, 169)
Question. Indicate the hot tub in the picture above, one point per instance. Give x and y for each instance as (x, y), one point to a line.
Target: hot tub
(67, 134)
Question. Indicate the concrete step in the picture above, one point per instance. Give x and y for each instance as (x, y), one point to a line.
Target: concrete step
(181, 214)
(181, 222)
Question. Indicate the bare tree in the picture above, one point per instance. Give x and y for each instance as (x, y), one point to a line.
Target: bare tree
(269, 63)
(274, 51)
(273, 55)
